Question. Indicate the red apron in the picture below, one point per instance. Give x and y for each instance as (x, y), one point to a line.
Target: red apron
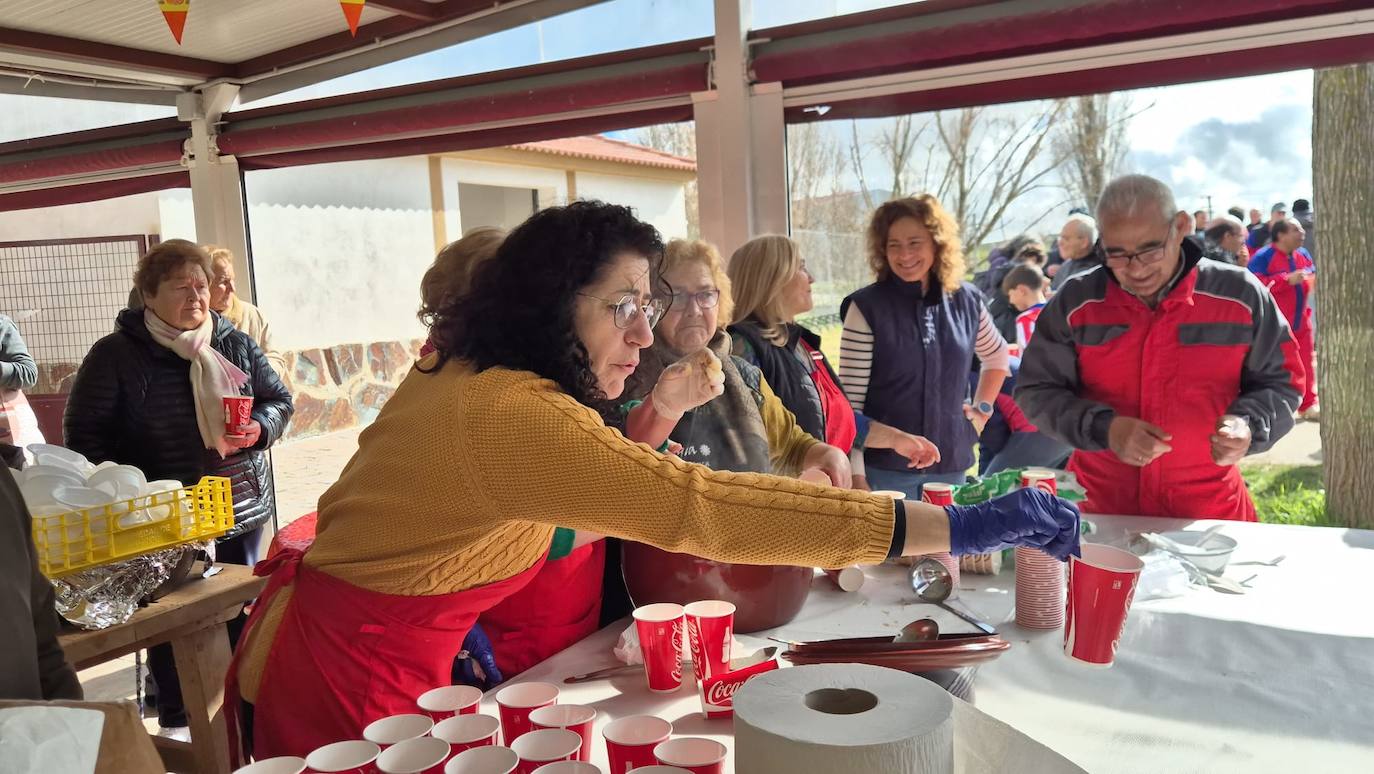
(345, 656)
(560, 607)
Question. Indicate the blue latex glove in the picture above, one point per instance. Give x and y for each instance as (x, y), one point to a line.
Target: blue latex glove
(476, 663)
(1026, 517)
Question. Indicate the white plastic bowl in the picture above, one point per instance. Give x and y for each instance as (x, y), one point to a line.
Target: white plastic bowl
(1213, 558)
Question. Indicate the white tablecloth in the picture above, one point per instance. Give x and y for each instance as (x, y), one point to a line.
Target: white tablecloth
(1280, 679)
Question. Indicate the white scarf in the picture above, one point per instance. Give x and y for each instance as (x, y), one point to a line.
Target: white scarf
(212, 376)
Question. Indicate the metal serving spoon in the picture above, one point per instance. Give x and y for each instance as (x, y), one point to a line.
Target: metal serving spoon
(933, 583)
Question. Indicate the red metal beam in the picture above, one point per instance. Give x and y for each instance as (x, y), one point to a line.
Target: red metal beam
(415, 9)
(72, 49)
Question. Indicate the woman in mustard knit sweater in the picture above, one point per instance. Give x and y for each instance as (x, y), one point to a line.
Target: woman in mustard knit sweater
(496, 439)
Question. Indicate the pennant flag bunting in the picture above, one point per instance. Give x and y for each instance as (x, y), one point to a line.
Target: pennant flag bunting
(174, 11)
(353, 11)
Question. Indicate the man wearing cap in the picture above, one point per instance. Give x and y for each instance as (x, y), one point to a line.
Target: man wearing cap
(1259, 235)
(1162, 370)
(1287, 269)
(1302, 210)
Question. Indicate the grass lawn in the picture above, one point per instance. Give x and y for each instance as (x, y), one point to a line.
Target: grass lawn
(1288, 494)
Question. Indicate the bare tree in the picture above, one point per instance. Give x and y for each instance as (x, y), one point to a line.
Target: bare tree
(679, 140)
(815, 165)
(1343, 176)
(1090, 139)
(991, 160)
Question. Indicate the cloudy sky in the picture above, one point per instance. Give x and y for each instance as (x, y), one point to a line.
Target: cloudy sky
(1244, 141)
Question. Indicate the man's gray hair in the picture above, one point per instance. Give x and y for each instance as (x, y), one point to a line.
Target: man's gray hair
(1086, 226)
(1136, 196)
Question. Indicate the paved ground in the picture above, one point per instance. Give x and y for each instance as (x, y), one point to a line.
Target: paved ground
(304, 469)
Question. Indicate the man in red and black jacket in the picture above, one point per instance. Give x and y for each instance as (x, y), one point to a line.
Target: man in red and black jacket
(1286, 268)
(1162, 370)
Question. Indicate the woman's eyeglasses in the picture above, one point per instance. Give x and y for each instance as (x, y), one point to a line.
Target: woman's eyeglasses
(628, 306)
(704, 299)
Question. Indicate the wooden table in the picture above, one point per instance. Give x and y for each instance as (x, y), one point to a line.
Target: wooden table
(192, 619)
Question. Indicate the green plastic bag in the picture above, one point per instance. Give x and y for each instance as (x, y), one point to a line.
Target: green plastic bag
(1008, 481)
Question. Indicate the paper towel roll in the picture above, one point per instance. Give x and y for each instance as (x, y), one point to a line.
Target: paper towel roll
(829, 718)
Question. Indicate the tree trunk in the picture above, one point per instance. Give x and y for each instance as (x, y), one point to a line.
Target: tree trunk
(1343, 178)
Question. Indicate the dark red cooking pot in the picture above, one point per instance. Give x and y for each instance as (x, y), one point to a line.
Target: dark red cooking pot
(764, 596)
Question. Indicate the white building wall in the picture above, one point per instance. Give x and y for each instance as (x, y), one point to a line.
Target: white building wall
(339, 249)
(136, 214)
(660, 202)
(551, 183)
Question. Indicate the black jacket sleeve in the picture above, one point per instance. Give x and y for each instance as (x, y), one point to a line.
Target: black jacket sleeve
(272, 406)
(90, 424)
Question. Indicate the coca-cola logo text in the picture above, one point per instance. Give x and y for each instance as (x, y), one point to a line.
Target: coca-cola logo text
(719, 694)
(677, 650)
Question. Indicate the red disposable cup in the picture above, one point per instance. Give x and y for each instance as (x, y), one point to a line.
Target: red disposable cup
(710, 630)
(573, 717)
(238, 411)
(483, 760)
(355, 757)
(937, 493)
(660, 640)
(516, 702)
(630, 741)
(1039, 589)
(464, 732)
(545, 745)
(397, 729)
(287, 764)
(1039, 478)
(1101, 585)
(567, 767)
(659, 768)
(697, 755)
(449, 700)
(425, 755)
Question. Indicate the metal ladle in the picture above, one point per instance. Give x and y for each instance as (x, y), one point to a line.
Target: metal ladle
(932, 583)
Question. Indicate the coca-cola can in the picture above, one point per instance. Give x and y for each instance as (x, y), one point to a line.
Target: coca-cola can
(718, 691)
(937, 493)
(1039, 478)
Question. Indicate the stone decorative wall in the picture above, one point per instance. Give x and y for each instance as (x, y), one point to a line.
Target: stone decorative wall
(334, 388)
(346, 385)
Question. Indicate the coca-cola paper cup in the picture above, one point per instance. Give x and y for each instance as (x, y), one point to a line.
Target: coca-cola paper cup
(397, 729)
(573, 717)
(355, 757)
(286, 764)
(1039, 478)
(516, 702)
(484, 760)
(238, 411)
(699, 756)
(710, 630)
(568, 767)
(545, 746)
(1101, 585)
(937, 493)
(660, 630)
(425, 755)
(718, 691)
(449, 700)
(630, 741)
(464, 732)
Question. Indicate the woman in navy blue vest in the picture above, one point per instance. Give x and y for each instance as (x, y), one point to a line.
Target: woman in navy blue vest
(909, 340)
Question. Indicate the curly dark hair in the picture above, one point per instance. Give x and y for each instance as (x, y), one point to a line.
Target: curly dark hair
(518, 312)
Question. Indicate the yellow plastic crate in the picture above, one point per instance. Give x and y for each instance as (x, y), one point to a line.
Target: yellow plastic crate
(76, 540)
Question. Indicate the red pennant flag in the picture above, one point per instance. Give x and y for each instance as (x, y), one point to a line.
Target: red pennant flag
(353, 11)
(174, 11)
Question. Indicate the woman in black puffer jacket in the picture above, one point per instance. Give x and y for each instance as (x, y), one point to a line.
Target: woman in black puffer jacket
(150, 395)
